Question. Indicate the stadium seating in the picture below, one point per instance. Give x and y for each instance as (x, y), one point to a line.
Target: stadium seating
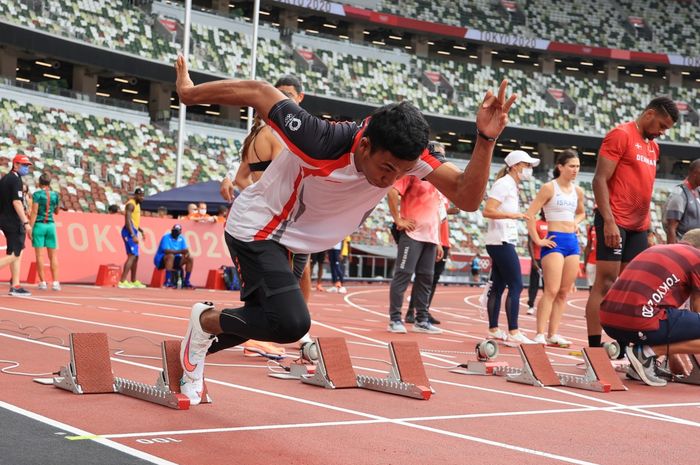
(599, 104)
(98, 160)
(587, 22)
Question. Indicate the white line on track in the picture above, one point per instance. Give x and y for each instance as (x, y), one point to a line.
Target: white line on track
(104, 441)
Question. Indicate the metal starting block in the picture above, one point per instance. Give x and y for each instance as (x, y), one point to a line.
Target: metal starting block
(693, 377)
(537, 370)
(600, 375)
(335, 371)
(90, 372)
(485, 352)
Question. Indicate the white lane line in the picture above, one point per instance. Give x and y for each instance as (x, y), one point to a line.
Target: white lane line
(52, 301)
(79, 432)
(108, 308)
(352, 328)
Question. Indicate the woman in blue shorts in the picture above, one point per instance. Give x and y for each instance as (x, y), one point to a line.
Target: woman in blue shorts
(562, 202)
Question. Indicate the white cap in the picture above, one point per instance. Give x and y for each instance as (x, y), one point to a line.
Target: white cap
(519, 156)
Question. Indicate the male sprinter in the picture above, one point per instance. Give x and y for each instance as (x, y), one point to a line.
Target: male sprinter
(321, 188)
(622, 184)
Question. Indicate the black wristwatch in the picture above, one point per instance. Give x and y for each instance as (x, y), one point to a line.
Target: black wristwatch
(485, 137)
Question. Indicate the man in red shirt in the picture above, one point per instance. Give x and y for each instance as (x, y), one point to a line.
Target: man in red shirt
(623, 185)
(535, 263)
(643, 306)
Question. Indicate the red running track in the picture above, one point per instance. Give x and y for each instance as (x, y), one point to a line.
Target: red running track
(256, 419)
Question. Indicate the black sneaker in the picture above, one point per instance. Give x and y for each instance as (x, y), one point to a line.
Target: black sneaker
(644, 366)
(433, 320)
(410, 316)
(19, 291)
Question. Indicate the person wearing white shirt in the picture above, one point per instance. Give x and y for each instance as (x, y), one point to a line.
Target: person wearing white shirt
(502, 210)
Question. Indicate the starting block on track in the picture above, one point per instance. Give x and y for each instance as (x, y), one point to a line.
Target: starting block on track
(600, 374)
(334, 370)
(90, 372)
(694, 376)
(537, 370)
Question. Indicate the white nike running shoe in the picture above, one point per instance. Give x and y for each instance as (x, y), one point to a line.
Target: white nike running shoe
(193, 350)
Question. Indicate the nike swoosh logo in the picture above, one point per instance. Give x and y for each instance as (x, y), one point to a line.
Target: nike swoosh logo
(186, 358)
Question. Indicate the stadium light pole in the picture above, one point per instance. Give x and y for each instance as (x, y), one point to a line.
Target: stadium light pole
(254, 54)
(183, 108)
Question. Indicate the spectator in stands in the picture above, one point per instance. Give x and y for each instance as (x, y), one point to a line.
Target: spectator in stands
(535, 262)
(415, 206)
(623, 184)
(503, 211)
(44, 207)
(589, 260)
(192, 212)
(444, 231)
(174, 256)
(112, 209)
(130, 235)
(327, 180)
(163, 212)
(562, 202)
(13, 219)
(682, 209)
(643, 306)
(201, 215)
(221, 214)
(318, 259)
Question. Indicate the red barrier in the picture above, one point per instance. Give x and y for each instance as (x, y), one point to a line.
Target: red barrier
(88, 240)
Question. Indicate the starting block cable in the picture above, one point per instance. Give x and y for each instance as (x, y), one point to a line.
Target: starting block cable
(24, 331)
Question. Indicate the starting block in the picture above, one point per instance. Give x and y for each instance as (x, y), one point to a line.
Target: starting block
(600, 375)
(334, 370)
(694, 376)
(90, 372)
(537, 370)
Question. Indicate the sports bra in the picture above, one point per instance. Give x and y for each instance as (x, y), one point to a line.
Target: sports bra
(562, 205)
(259, 165)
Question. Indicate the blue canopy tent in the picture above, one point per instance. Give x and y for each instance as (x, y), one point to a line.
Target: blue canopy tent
(177, 199)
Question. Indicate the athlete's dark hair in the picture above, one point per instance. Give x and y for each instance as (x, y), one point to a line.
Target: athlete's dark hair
(399, 128)
(290, 80)
(45, 180)
(694, 165)
(664, 105)
(563, 157)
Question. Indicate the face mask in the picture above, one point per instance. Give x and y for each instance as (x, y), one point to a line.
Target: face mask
(23, 170)
(526, 174)
(175, 233)
(202, 211)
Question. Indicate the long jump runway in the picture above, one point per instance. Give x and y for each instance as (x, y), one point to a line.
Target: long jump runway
(257, 419)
